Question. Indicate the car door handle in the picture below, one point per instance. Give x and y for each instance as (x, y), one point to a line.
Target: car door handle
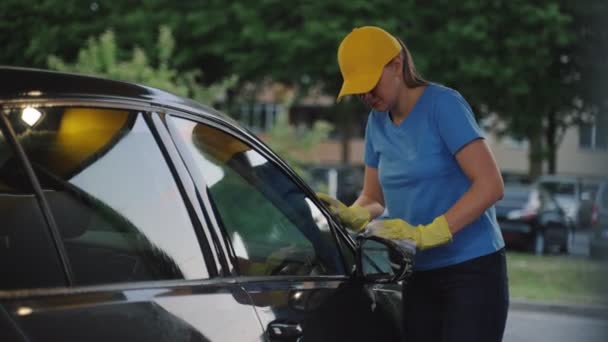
(284, 330)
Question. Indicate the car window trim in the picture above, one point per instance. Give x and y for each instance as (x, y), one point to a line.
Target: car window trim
(294, 282)
(221, 248)
(113, 287)
(44, 206)
(267, 153)
(163, 139)
(80, 102)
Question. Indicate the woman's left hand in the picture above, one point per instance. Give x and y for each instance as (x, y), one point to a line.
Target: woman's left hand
(425, 236)
(354, 217)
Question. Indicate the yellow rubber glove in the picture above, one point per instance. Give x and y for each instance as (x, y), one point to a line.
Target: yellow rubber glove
(425, 236)
(354, 217)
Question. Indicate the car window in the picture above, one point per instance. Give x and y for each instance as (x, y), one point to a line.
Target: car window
(112, 195)
(272, 226)
(559, 188)
(27, 256)
(515, 197)
(547, 202)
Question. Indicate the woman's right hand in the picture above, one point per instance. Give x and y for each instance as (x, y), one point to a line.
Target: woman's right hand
(354, 217)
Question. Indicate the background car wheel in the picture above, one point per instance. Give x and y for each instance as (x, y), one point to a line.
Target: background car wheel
(538, 243)
(593, 253)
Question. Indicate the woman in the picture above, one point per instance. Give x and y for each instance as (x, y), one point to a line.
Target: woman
(428, 165)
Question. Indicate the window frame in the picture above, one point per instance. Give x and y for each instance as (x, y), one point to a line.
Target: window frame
(595, 130)
(45, 209)
(341, 239)
(162, 139)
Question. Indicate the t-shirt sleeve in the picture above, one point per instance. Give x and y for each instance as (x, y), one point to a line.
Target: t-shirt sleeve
(371, 157)
(455, 121)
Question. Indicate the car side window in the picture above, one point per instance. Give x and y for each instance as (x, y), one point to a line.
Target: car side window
(547, 201)
(115, 202)
(272, 226)
(28, 258)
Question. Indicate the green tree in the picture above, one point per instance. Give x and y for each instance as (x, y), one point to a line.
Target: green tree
(584, 62)
(33, 31)
(290, 42)
(506, 57)
(100, 57)
(538, 65)
(510, 69)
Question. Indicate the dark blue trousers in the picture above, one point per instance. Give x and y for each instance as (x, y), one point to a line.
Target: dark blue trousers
(466, 302)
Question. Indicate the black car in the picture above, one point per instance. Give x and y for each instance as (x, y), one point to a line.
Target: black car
(598, 243)
(130, 214)
(530, 218)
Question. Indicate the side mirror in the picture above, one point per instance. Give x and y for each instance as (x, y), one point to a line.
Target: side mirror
(384, 261)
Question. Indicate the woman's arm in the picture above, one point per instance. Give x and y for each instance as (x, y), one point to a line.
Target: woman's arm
(478, 164)
(371, 197)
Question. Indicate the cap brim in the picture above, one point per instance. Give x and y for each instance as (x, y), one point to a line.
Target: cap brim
(359, 85)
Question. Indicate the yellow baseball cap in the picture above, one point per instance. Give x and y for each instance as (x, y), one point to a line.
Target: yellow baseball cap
(362, 55)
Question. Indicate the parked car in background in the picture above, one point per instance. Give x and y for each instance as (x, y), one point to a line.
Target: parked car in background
(510, 177)
(130, 214)
(530, 218)
(588, 198)
(567, 191)
(598, 243)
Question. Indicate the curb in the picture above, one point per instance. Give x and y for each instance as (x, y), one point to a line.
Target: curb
(592, 311)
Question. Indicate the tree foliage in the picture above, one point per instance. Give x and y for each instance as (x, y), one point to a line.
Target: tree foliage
(538, 65)
(100, 57)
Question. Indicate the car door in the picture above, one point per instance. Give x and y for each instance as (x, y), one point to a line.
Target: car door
(100, 240)
(281, 246)
(600, 219)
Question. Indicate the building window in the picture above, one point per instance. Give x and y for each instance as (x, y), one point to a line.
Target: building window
(594, 136)
(258, 117)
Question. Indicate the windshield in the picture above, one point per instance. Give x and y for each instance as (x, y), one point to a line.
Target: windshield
(558, 188)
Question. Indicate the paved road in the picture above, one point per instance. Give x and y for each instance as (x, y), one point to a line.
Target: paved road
(525, 326)
(581, 243)
(529, 326)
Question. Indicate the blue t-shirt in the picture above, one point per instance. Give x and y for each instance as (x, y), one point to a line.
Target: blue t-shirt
(420, 176)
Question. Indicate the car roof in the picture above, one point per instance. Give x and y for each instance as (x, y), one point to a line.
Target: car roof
(28, 83)
(516, 187)
(558, 178)
(516, 190)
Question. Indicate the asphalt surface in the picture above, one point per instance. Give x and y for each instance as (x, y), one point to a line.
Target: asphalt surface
(531, 326)
(527, 323)
(581, 243)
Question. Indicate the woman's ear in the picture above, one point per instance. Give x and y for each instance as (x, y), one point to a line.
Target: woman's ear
(397, 64)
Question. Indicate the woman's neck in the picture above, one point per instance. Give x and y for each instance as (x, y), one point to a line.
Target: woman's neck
(407, 100)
